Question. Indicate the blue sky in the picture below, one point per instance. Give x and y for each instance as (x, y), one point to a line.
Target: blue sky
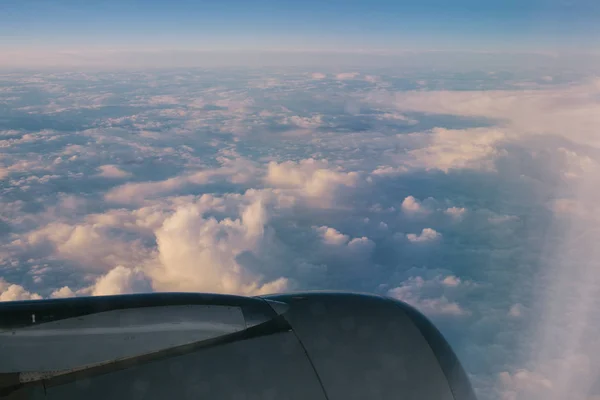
(425, 24)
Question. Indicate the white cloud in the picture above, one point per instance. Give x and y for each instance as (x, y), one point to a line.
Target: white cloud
(525, 384)
(501, 219)
(232, 170)
(390, 171)
(112, 171)
(310, 178)
(332, 236)
(346, 75)
(418, 292)
(198, 253)
(163, 99)
(372, 78)
(168, 237)
(410, 205)
(62, 293)
(88, 244)
(571, 111)
(362, 245)
(451, 281)
(318, 75)
(304, 122)
(397, 117)
(427, 235)
(573, 376)
(455, 212)
(458, 149)
(121, 280)
(12, 292)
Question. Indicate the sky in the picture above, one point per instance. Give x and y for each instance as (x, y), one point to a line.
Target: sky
(48, 28)
(446, 154)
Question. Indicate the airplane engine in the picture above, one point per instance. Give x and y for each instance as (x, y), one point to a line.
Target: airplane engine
(315, 345)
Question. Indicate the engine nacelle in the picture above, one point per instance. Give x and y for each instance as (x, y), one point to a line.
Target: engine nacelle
(315, 345)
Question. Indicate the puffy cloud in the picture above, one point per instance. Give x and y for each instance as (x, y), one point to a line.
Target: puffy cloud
(525, 384)
(411, 205)
(311, 178)
(232, 170)
(362, 245)
(318, 75)
(112, 171)
(571, 111)
(62, 293)
(304, 122)
(451, 281)
(425, 295)
(332, 236)
(390, 171)
(372, 78)
(426, 235)
(346, 75)
(120, 280)
(88, 244)
(546, 380)
(198, 253)
(12, 292)
(450, 149)
(456, 212)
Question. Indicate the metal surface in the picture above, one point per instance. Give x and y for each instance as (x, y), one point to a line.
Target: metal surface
(20, 314)
(323, 346)
(94, 338)
(266, 368)
(453, 370)
(365, 347)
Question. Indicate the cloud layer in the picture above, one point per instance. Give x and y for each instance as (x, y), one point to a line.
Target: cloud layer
(472, 197)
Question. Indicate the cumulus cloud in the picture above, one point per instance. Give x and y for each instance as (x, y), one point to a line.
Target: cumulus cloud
(426, 235)
(523, 383)
(545, 381)
(121, 280)
(372, 78)
(236, 170)
(456, 212)
(87, 243)
(112, 171)
(62, 293)
(361, 245)
(458, 149)
(13, 292)
(318, 75)
(421, 293)
(571, 111)
(315, 179)
(410, 205)
(198, 253)
(332, 236)
(346, 75)
(304, 122)
(451, 281)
